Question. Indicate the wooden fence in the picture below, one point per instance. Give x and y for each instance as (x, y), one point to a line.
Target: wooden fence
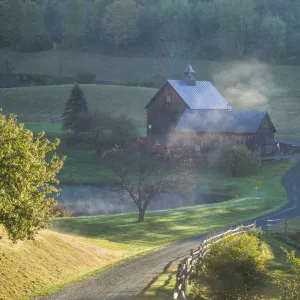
(281, 225)
(187, 266)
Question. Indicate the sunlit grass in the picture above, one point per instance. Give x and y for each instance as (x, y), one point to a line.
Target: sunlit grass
(163, 227)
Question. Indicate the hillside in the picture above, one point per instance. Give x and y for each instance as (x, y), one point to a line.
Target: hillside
(30, 267)
(46, 103)
(40, 104)
(150, 69)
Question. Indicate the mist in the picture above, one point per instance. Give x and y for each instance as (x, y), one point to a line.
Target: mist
(88, 200)
(246, 85)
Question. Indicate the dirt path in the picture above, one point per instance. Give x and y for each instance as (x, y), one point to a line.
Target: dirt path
(127, 280)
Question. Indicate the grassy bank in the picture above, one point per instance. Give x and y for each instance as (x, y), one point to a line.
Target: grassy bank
(33, 267)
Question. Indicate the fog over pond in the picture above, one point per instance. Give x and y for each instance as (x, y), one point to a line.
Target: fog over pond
(88, 200)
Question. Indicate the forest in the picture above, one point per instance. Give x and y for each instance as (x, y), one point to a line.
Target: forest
(202, 29)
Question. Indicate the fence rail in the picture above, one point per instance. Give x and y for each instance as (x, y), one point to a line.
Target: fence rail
(281, 225)
(187, 266)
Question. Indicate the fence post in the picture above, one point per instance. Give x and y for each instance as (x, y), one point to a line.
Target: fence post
(254, 224)
(285, 225)
(267, 226)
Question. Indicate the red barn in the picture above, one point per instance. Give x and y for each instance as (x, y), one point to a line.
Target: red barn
(194, 113)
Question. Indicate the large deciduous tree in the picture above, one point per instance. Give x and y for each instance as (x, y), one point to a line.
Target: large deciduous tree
(141, 176)
(28, 180)
(236, 20)
(120, 21)
(11, 13)
(75, 109)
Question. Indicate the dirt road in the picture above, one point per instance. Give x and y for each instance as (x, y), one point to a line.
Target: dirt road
(127, 280)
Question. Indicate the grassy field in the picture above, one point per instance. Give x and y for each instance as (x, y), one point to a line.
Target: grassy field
(162, 227)
(246, 84)
(142, 69)
(45, 104)
(37, 267)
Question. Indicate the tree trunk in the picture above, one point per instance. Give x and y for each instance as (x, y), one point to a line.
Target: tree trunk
(142, 215)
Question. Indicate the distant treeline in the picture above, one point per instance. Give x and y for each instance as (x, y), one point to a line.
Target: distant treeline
(204, 29)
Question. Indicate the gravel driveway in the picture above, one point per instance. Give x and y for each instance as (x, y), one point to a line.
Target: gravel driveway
(128, 279)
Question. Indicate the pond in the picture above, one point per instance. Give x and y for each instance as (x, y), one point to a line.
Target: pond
(89, 200)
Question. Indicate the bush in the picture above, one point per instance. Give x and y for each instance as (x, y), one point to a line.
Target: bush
(85, 77)
(239, 160)
(231, 269)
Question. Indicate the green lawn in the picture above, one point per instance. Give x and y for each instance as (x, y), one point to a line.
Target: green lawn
(45, 104)
(163, 227)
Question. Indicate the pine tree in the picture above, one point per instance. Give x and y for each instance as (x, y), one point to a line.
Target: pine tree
(76, 107)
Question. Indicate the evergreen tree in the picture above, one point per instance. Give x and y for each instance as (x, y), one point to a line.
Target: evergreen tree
(76, 107)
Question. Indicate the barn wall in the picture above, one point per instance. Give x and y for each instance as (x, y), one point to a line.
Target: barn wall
(164, 116)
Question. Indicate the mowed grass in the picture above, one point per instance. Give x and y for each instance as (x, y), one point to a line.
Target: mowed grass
(163, 227)
(46, 103)
(36, 267)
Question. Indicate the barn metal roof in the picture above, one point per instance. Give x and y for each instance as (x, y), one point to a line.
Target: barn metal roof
(231, 121)
(202, 95)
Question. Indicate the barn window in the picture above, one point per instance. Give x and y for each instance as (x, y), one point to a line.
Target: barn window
(150, 126)
(157, 142)
(197, 147)
(168, 99)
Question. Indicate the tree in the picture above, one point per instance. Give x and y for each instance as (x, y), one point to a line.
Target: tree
(32, 22)
(242, 256)
(239, 159)
(11, 13)
(236, 18)
(120, 21)
(141, 176)
(173, 16)
(73, 22)
(290, 289)
(76, 107)
(273, 35)
(28, 180)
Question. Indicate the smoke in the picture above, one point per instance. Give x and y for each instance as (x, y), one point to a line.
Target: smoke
(246, 85)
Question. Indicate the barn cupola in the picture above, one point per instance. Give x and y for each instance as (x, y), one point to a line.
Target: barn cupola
(190, 75)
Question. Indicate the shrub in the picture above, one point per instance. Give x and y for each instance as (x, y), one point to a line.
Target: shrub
(85, 77)
(239, 160)
(231, 269)
(290, 289)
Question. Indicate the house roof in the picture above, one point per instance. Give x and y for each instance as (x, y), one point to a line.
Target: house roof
(231, 121)
(201, 95)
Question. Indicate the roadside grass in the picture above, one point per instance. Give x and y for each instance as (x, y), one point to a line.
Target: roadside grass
(167, 226)
(31, 268)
